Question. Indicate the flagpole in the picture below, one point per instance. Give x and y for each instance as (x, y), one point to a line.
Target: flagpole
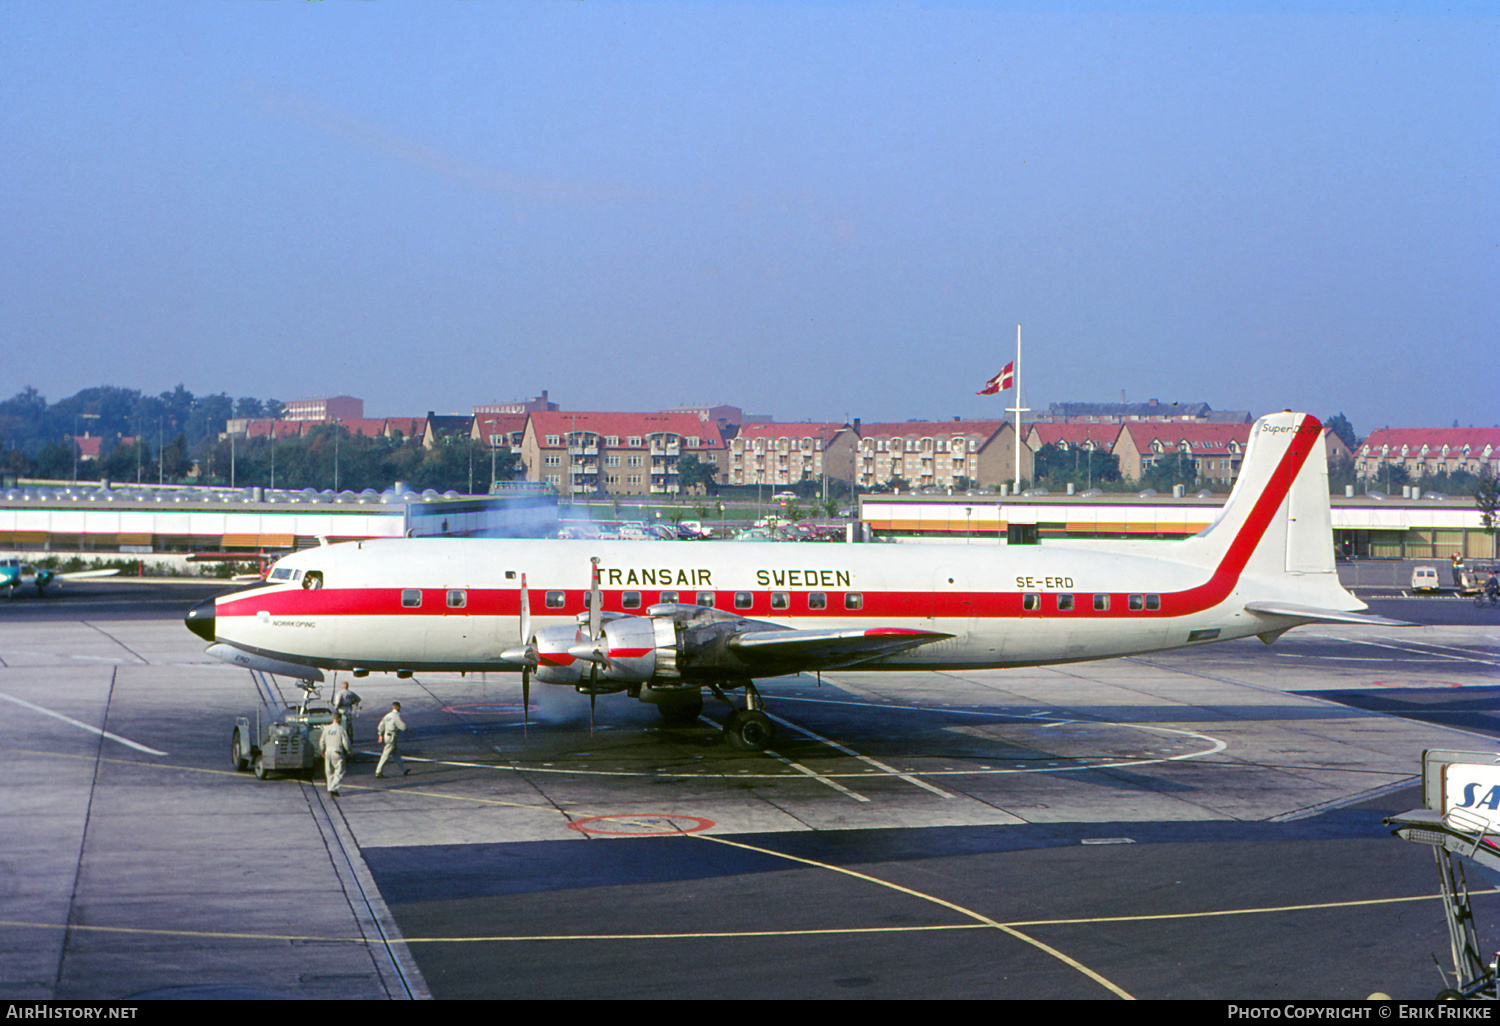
(1018, 409)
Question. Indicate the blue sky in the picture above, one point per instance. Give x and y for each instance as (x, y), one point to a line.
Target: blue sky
(808, 210)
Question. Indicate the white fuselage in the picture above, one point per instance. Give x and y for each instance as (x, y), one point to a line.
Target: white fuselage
(455, 603)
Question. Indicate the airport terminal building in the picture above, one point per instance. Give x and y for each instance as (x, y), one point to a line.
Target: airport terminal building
(1364, 527)
(175, 521)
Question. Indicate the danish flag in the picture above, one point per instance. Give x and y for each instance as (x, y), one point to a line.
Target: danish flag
(1005, 379)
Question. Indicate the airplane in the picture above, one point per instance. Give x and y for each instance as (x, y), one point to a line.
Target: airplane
(662, 622)
(14, 574)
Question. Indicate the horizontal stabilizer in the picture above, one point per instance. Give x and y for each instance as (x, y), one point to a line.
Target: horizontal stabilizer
(1312, 614)
(830, 647)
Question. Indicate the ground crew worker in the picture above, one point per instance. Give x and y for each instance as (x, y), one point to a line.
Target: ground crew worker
(391, 726)
(333, 743)
(345, 703)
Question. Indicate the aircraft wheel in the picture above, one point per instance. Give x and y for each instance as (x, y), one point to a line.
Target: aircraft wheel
(749, 730)
(1448, 995)
(238, 761)
(681, 714)
(259, 766)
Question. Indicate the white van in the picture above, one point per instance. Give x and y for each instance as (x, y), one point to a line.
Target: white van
(1424, 578)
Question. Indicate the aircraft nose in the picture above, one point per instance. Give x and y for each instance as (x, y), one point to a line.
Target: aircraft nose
(200, 620)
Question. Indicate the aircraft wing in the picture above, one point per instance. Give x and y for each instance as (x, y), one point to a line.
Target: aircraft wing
(1314, 614)
(79, 575)
(830, 648)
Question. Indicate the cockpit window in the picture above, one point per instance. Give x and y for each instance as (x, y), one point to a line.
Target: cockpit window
(312, 580)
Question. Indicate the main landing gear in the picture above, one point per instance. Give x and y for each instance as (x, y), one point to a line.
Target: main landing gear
(748, 729)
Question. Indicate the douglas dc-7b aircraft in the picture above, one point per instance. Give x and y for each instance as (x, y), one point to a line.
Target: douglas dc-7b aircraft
(663, 621)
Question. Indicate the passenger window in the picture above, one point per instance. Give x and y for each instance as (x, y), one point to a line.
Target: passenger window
(853, 600)
(817, 600)
(555, 599)
(706, 598)
(1101, 603)
(411, 598)
(457, 599)
(668, 596)
(630, 600)
(1031, 602)
(781, 600)
(1064, 603)
(1136, 603)
(743, 600)
(1153, 602)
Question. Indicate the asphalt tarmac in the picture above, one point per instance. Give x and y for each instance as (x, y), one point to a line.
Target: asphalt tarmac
(1195, 824)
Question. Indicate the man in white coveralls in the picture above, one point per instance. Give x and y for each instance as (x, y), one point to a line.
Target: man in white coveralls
(333, 742)
(391, 726)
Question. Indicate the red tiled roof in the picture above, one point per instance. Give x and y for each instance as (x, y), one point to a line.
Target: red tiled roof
(626, 425)
(1200, 438)
(1433, 438)
(823, 432)
(932, 429)
(499, 423)
(367, 427)
(283, 428)
(1076, 435)
(410, 427)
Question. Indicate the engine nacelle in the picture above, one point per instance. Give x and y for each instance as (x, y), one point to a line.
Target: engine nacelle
(554, 664)
(669, 648)
(629, 650)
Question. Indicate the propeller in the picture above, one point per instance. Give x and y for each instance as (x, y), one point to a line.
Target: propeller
(526, 655)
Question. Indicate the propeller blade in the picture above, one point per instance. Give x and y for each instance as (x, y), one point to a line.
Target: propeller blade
(525, 614)
(596, 601)
(529, 654)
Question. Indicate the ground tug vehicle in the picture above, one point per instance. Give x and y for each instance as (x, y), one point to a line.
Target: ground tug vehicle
(280, 736)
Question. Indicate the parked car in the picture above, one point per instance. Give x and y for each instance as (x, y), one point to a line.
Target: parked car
(1424, 578)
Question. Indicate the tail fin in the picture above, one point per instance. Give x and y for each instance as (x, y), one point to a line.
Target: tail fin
(1277, 516)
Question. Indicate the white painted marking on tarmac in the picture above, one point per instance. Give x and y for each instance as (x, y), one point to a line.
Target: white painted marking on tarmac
(814, 774)
(78, 723)
(1466, 657)
(882, 767)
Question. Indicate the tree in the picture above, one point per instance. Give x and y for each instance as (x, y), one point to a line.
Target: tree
(1341, 473)
(249, 408)
(174, 463)
(1487, 497)
(1170, 470)
(693, 472)
(1340, 426)
(1054, 467)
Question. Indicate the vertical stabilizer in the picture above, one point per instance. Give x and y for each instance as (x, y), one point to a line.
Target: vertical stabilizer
(1276, 519)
